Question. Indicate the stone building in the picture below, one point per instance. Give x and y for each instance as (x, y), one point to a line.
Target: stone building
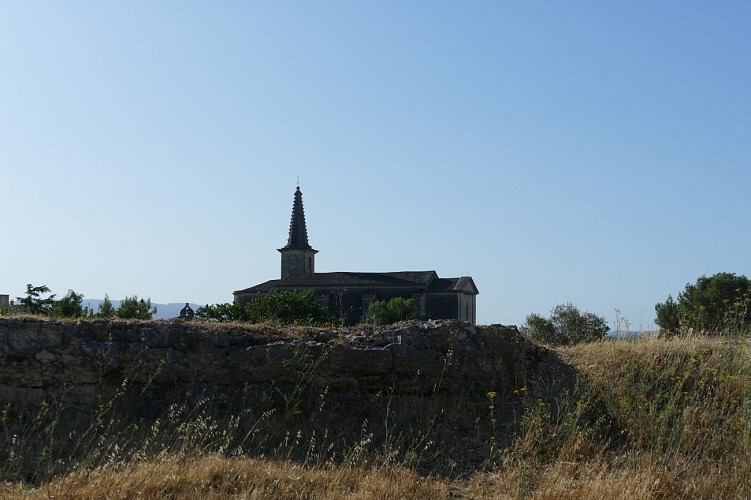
(348, 294)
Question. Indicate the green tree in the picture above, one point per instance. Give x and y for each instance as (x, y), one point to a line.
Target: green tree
(384, 312)
(106, 309)
(223, 312)
(540, 329)
(70, 306)
(565, 326)
(287, 307)
(33, 302)
(717, 304)
(135, 308)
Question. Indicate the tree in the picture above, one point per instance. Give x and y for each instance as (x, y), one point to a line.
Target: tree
(70, 306)
(717, 304)
(286, 307)
(566, 325)
(223, 312)
(106, 309)
(540, 329)
(382, 312)
(33, 302)
(135, 308)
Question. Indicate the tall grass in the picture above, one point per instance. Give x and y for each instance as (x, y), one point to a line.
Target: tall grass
(652, 418)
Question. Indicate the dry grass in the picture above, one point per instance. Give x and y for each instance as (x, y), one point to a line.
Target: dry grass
(210, 477)
(648, 419)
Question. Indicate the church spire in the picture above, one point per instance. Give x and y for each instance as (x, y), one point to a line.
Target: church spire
(298, 232)
(298, 257)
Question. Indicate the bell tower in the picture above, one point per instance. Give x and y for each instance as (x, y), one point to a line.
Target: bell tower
(298, 257)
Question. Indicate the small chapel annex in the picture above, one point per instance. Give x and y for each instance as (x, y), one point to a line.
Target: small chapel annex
(348, 294)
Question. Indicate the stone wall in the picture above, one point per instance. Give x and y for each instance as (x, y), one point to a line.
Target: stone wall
(150, 364)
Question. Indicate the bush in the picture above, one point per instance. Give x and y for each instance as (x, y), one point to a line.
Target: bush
(285, 307)
(566, 326)
(33, 303)
(135, 308)
(70, 306)
(390, 311)
(106, 309)
(222, 312)
(715, 304)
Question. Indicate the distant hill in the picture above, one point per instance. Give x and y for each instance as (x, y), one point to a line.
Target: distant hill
(163, 311)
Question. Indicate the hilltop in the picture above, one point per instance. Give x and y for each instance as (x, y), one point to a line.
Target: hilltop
(650, 418)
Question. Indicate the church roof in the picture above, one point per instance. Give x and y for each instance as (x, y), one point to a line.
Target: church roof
(422, 279)
(463, 284)
(427, 280)
(298, 232)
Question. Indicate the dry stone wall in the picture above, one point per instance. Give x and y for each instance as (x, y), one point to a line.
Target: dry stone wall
(150, 364)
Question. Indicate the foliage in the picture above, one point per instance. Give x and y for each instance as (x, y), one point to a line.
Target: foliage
(70, 306)
(540, 329)
(715, 304)
(565, 326)
(135, 308)
(33, 302)
(390, 311)
(106, 309)
(223, 312)
(285, 307)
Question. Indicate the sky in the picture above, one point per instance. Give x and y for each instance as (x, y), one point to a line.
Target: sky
(587, 152)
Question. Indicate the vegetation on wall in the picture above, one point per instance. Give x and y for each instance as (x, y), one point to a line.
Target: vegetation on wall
(719, 304)
(565, 326)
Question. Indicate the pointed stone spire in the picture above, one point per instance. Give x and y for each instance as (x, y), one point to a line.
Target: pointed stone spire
(298, 232)
(298, 257)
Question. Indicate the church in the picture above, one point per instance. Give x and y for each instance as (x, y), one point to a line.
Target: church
(348, 294)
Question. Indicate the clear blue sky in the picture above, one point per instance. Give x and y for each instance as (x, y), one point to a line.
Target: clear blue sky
(582, 151)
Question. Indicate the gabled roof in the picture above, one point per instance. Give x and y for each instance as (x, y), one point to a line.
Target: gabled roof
(421, 279)
(463, 284)
(466, 284)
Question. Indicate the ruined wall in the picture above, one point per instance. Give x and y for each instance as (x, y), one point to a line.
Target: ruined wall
(151, 364)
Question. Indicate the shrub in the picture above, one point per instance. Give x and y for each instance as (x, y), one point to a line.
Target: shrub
(715, 304)
(33, 302)
(135, 308)
(566, 325)
(389, 311)
(222, 312)
(70, 306)
(106, 309)
(285, 307)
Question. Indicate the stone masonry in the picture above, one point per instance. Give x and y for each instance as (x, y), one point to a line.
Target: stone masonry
(151, 364)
